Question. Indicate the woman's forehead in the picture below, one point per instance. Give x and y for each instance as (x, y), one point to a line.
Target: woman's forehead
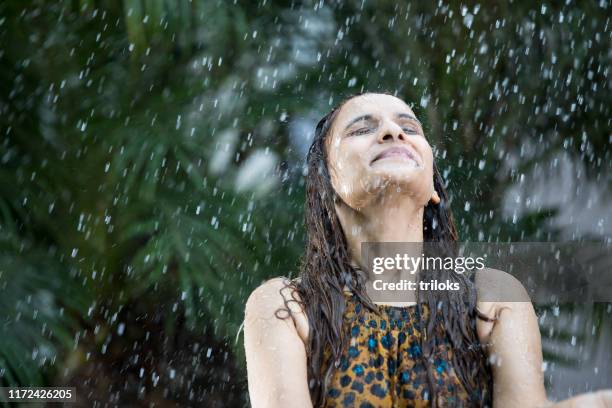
(371, 104)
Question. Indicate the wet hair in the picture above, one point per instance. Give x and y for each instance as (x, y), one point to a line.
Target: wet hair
(326, 270)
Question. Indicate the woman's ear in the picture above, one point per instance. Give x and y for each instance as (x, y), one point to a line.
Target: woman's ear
(435, 198)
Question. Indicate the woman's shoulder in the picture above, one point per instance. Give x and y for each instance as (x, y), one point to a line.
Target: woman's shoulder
(499, 287)
(498, 290)
(270, 302)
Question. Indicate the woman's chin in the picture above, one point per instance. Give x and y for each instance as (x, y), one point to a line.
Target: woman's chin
(407, 181)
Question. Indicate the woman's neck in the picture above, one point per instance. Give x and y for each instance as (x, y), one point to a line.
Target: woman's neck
(392, 218)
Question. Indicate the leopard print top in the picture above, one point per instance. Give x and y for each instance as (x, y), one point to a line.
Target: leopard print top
(383, 364)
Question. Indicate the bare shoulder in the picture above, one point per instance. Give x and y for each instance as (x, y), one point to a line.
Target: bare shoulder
(276, 354)
(268, 304)
(498, 286)
(272, 294)
(498, 292)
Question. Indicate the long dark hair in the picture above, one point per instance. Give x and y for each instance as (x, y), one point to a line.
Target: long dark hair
(326, 270)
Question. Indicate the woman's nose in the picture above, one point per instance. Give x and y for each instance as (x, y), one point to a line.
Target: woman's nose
(391, 132)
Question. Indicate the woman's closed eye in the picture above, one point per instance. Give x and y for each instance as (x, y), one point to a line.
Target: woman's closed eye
(360, 131)
(410, 130)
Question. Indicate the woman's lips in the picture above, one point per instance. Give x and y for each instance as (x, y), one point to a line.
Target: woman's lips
(397, 152)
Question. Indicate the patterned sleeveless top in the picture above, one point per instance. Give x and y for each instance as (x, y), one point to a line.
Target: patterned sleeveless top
(382, 366)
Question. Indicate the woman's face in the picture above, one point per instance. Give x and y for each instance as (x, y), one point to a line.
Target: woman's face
(375, 144)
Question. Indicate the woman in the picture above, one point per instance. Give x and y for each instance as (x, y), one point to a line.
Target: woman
(371, 178)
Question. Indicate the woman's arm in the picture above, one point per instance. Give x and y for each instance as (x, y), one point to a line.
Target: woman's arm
(514, 344)
(515, 353)
(275, 350)
(599, 399)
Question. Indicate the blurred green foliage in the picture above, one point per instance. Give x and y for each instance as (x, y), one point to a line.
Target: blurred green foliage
(127, 127)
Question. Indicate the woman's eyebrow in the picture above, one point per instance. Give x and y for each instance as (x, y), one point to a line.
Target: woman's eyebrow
(357, 119)
(400, 115)
(408, 116)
